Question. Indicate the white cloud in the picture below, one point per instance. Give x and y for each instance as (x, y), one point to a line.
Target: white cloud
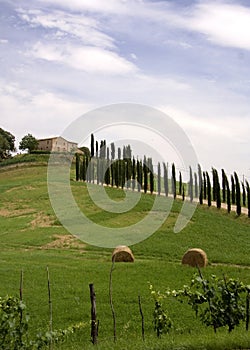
(4, 41)
(224, 24)
(110, 7)
(88, 59)
(88, 30)
(43, 114)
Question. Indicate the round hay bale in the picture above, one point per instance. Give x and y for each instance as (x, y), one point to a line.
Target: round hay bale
(195, 257)
(122, 253)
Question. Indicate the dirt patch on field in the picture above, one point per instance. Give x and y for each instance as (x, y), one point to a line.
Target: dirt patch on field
(11, 213)
(27, 188)
(42, 220)
(64, 242)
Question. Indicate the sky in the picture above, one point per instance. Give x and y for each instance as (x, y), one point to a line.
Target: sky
(189, 59)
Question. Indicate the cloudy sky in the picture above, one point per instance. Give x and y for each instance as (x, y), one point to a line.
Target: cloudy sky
(190, 59)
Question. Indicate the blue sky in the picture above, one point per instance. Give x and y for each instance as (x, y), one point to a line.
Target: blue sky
(189, 59)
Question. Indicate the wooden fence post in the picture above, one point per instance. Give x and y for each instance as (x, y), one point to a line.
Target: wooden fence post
(94, 323)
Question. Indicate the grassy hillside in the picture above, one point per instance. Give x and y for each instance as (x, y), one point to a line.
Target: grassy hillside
(32, 238)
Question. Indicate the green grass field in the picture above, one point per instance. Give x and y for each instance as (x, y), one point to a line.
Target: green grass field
(31, 238)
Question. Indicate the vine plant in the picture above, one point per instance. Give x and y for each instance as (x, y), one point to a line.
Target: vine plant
(218, 302)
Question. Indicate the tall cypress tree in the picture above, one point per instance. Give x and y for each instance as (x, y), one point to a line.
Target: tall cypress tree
(122, 174)
(129, 171)
(151, 181)
(180, 183)
(107, 173)
(195, 186)
(214, 185)
(216, 188)
(96, 149)
(208, 190)
(200, 184)
(173, 181)
(233, 190)
(98, 170)
(87, 168)
(248, 197)
(238, 194)
(205, 185)
(112, 150)
(77, 167)
(133, 173)
(139, 175)
(191, 185)
(228, 195)
(92, 146)
(183, 192)
(223, 185)
(145, 175)
(243, 194)
(159, 178)
(165, 168)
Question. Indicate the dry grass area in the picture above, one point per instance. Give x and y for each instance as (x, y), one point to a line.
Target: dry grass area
(9, 212)
(26, 188)
(42, 220)
(64, 242)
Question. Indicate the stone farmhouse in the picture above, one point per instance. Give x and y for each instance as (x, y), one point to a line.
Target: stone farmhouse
(56, 144)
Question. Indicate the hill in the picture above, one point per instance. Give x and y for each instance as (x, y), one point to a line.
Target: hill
(32, 238)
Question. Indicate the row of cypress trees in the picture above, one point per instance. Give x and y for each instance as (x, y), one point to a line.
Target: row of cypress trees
(102, 167)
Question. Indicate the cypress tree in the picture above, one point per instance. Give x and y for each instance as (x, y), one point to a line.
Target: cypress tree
(98, 172)
(223, 186)
(195, 186)
(173, 181)
(228, 195)
(180, 183)
(165, 168)
(151, 179)
(133, 173)
(139, 182)
(119, 166)
(248, 197)
(122, 174)
(112, 150)
(92, 146)
(200, 184)
(145, 175)
(190, 187)
(216, 187)
(159, 178)
(87, 168)
(92, 171)
(233, 190)
(107, 172)
(104, 149)
(183, 192)
(84, 168)
(77, 167)
(238, 194)
(96, 149)
(151, 175)
(116, 173)
(81, 169)
(89, 171)
(102, 169)
(243, 194)
(128, 165)
(107, 153)
(205, 185)
(208, 190)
